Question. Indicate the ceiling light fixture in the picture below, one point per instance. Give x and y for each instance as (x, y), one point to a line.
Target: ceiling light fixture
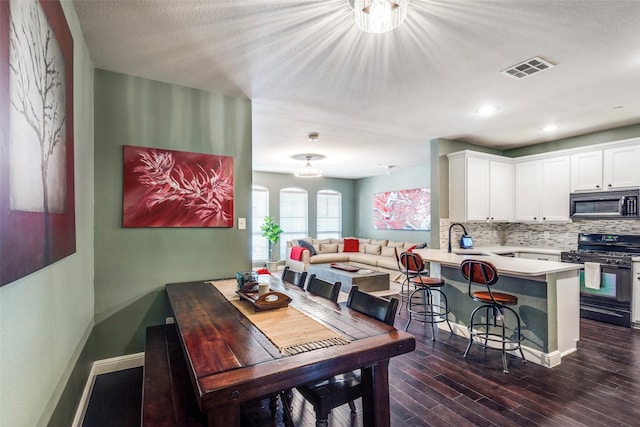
(388, 168)
(379, 16)
(308, 171)
(313, 136)
(486, 110)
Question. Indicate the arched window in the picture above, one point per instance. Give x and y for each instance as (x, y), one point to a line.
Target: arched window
(329, 214)
(293, 216)
(259, 210)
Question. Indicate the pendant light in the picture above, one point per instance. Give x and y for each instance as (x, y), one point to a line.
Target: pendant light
(308, 171)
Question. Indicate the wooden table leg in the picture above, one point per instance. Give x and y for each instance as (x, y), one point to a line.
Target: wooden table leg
(227, 416)
(375, 395)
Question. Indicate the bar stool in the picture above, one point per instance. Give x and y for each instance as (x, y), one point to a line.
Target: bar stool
(407, 287)
(420, 303)
(494, 329)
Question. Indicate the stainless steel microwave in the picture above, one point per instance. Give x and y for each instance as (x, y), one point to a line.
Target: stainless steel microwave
(621, 204)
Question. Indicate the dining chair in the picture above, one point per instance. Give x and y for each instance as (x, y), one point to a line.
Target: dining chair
(295, 278)
(345, 388)
(323, 288)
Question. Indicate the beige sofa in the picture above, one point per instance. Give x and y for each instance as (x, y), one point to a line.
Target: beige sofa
(377, 255)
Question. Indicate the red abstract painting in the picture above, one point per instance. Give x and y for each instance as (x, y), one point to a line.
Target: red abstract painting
(402, 210)
(37, 198)
(164, 188)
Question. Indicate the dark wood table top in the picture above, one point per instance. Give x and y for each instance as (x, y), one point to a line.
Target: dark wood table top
(231, 361)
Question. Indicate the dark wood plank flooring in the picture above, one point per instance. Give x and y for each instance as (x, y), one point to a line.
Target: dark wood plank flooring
(434, 386)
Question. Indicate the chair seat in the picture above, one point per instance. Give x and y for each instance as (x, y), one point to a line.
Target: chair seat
(427, 281)
(344, 384)
(499, 297)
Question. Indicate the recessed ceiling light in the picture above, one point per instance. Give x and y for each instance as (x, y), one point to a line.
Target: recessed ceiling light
(550, 128)
(486, 110)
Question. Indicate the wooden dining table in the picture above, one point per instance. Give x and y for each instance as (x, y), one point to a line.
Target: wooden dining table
(231, 361)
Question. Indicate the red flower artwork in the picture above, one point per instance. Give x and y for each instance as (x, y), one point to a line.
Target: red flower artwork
(402, 210)
(164, 188)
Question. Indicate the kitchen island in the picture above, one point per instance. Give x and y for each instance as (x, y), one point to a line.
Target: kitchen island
(548, 294)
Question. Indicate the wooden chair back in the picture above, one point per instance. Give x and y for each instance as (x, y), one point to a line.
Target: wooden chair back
(323, 288)
(371, 305)
(295, 278)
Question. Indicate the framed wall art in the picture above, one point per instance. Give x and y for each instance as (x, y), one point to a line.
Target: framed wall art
(37, 201)
(402, 210)
(165, 188)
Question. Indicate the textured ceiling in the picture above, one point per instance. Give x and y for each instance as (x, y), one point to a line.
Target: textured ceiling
(378, 99)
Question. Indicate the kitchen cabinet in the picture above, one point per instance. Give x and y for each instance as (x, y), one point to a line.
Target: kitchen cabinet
(542, 190)
(480, 187)
(621, 167)
(586, 171)
(538, 256)
(609, 168)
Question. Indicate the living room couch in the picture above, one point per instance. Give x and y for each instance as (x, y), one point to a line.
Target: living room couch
(372, 254)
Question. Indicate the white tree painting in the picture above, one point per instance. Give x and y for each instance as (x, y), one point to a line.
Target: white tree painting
(37, 114)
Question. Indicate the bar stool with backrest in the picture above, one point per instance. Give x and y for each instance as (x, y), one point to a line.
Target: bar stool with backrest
(407, 287)
(493, 329)
(345, 388)
(295, 278)
(421, 304)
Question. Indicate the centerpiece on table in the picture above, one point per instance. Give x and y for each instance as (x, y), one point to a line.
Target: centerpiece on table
(272, 231)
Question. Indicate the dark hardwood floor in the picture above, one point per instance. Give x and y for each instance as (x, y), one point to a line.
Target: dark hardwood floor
(599, 385)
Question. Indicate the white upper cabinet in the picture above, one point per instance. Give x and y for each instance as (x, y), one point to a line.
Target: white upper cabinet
(621, 167)
(500, 191)
(527, 191)
(542, 190)
(555, 189)
(586, 171)
(607, 169)
(480, 187)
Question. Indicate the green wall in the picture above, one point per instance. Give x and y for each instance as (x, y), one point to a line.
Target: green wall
(46, 317)
(133, 264)
(609, 135)
(277, 181)
(401, 178)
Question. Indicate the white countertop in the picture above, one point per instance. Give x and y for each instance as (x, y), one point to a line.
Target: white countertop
(510, 266)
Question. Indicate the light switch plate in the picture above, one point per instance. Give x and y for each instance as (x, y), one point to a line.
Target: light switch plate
(242, 223)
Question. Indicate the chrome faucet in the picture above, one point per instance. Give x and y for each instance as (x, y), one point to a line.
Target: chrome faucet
(450, 227)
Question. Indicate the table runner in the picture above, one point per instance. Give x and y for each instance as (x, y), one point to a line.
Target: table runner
(290, 330)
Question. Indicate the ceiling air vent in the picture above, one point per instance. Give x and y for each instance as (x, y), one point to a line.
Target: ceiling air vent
(527, 68)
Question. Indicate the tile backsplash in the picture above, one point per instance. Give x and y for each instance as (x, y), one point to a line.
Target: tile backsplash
(562, 236)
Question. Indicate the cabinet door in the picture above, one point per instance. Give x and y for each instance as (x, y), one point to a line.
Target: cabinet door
(555, 188)
(477, 189)
(586, 171)
(500, 191)
(620, 167)
(527, 191)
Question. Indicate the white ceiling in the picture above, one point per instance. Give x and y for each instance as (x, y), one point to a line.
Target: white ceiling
(377, 99)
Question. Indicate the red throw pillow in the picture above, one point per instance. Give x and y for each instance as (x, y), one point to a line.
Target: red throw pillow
(351, 245)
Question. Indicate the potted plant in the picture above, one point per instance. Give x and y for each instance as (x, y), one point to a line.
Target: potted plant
(272, 231)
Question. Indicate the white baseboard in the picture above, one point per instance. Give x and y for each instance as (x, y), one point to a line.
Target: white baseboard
(104, 366)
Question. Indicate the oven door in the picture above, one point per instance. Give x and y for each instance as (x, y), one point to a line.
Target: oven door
(610, 303)
(615, 284)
